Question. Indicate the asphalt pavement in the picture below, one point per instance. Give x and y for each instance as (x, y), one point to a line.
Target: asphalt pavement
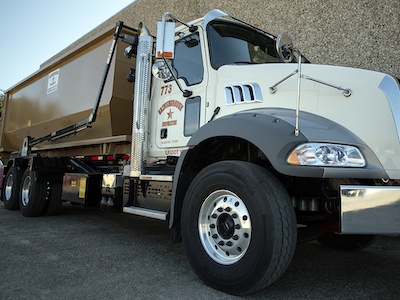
(90, 254)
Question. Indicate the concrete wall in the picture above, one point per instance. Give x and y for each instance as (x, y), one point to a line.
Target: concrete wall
(356, 33)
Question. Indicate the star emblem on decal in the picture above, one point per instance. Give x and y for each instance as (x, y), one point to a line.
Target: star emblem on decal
(169, 114)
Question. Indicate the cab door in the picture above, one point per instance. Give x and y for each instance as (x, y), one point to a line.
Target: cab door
(178, 117)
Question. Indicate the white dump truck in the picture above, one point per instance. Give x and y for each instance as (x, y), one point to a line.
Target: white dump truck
(228, 133)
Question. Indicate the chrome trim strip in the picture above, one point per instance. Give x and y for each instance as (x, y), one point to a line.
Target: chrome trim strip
(156, 177)
(391, 89)
(370, 209)
(144, 212)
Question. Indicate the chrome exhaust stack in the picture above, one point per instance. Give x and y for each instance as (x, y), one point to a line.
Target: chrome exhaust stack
(141, 94)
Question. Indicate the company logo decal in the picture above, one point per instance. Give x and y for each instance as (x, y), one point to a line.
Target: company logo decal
(170, 103)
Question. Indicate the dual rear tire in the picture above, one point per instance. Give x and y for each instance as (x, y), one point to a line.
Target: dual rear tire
(32, 194)
(12, 183)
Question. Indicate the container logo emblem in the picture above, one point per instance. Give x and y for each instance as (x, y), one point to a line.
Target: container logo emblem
(52, 81)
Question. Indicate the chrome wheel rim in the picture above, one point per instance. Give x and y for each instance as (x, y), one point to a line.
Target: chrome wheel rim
(26, 186)
(9, 187)
(224, 227)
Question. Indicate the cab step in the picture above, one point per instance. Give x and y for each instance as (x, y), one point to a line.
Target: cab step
(145, 212)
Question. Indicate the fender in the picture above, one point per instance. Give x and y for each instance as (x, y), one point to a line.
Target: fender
(271, 130)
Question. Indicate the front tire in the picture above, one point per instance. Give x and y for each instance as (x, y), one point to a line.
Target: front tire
(33, 194)
(238, 227)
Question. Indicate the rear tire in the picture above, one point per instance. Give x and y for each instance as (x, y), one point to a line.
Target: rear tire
(53, 205)
(33, 194)
(238, 227)
(347, 242)
(11, 187)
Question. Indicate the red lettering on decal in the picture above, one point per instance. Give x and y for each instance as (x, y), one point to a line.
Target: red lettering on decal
(166, 89)
(169, 103)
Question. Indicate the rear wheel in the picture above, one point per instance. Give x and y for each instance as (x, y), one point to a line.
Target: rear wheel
(238, 227)
(347, 242)
(33, 194)
(11, 187)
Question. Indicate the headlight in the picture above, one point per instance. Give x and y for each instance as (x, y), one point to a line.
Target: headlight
(327, 155)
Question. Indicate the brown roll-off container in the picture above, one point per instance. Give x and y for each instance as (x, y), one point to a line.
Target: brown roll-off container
(63, 92)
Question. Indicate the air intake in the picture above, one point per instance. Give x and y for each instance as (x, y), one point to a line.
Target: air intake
(243, 93)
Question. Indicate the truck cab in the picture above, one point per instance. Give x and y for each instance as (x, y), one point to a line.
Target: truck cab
(255, 100)
(248, 102)
(199, 56)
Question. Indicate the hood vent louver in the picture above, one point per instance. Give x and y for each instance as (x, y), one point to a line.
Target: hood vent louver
(243, 93)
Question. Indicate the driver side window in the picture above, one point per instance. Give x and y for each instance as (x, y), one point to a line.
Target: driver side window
(188, 63)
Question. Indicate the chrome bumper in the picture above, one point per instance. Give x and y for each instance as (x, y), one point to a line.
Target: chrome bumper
(370, 209)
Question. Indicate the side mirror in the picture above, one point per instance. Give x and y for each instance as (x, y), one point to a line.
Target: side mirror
(161, 71)
(284, 48)
(165, 43)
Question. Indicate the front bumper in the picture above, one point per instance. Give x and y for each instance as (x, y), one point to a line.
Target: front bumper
(370, 209)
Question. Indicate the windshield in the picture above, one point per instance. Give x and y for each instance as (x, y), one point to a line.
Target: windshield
(231, 43)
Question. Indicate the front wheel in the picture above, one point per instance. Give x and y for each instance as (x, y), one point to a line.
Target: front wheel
(238, 227)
